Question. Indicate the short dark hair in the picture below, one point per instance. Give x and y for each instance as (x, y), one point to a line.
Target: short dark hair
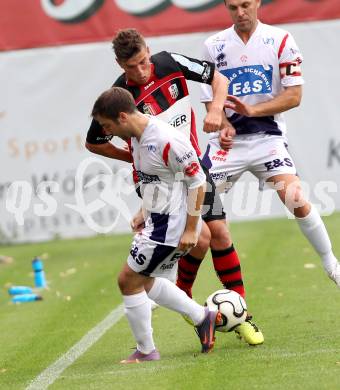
(127, 43)
(113, 101)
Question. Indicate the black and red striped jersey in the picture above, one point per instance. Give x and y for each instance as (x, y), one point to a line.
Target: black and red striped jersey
(165, 95)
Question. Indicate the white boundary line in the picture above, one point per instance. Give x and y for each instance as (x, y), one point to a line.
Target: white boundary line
(51, 373)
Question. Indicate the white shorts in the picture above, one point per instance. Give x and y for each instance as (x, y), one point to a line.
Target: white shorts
(150, 258)
(261, 154)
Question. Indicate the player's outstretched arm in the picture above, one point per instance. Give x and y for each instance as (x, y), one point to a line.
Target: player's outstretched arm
(109, 150)
(289, 98)
(215, 113)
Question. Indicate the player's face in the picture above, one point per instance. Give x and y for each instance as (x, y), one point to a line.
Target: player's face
(112, 127)
(243, 14)
(138, 67)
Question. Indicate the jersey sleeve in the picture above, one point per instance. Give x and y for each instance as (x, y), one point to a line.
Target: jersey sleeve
(195, 70)
(96, 135)
(182, 159)
(206, 90)
(290, 59)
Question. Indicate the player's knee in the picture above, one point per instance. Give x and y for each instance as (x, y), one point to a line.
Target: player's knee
(129, 281)
(220, 235)
(123, 281)
(297, 195)
(204, 238)
(294, 198)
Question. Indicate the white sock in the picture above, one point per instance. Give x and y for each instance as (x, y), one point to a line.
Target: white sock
(138, 313)
(169, 295)
(172, 276)
(315, 231)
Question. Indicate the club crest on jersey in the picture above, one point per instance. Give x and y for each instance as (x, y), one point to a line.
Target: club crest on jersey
(173, 89)
(220, 57)
(220, 60)
(192, 169)
(148, 109)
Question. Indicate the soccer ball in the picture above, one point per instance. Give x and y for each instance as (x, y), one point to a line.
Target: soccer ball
(232, 307)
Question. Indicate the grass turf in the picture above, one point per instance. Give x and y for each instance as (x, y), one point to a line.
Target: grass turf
(296, 306)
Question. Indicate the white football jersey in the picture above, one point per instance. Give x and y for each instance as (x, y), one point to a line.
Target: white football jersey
(257, 71)
(167, 166)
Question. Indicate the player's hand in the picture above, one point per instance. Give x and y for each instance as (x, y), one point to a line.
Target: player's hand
(226, 136)
(188, 240)
(212, 121)
(137, 223)
(238, 106)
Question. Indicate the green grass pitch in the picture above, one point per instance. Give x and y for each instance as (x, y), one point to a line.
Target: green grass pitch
(292, 300)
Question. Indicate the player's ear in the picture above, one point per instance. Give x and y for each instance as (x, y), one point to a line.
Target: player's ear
(123, 117)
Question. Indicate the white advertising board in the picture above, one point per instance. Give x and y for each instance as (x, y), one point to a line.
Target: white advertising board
(47, 95)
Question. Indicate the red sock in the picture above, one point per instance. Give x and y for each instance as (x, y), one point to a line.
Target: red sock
(187, 270)
(228, 269)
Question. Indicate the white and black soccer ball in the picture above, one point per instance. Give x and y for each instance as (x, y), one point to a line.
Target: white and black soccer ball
(232, 307)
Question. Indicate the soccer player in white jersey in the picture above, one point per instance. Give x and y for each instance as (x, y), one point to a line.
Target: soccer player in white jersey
(262, 64)
(172, 185)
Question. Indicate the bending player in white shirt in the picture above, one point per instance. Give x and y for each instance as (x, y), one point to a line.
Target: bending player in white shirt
(262, 63)
(172, 187)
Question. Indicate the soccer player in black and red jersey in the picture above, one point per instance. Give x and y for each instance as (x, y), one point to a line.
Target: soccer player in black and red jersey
(158, 85)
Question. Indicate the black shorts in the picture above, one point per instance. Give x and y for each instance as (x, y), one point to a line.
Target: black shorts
(212, 205)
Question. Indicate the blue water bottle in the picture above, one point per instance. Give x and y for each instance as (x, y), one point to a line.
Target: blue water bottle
(26, 298)
(15, 290)
(39, 274)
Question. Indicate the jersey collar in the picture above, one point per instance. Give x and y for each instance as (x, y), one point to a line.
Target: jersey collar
(253, 35)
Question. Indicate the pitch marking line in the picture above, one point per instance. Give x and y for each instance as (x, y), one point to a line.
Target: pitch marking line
(51, 373)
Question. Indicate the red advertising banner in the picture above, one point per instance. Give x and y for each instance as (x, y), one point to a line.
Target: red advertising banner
(37, 23)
